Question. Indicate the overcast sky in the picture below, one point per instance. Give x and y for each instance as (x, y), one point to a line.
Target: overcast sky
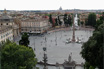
(50, 4)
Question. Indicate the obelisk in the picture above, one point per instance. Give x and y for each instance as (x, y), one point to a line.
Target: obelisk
(73, 36)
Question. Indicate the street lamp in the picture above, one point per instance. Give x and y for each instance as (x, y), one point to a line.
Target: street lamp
(34, 44)
(45, 58)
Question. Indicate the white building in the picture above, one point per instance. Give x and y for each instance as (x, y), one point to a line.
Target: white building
(6, 32)
(37, 26)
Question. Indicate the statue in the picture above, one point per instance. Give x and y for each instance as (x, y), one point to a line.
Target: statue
(76, 20)
(69, 58)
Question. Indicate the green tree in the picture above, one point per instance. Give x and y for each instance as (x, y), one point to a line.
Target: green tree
(59, 21)
(50, 19)
(69, 20)
(91, 19)
(100, 21)
(82, 22)
(53, 22)
(102, 17)
(24, 39)
(17, 56)
(86, 21)
(56, 22)
(91, 67)
(92, 50)
(65, 19)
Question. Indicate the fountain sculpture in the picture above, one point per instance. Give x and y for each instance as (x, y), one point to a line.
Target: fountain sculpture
(75, 26)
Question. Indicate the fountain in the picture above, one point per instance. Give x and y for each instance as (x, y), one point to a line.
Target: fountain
(75, 26)
(70, 64)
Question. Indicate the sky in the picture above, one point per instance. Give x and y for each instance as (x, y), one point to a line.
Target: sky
(51, 4)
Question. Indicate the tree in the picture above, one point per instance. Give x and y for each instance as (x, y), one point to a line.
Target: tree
(69, 20)
(102, 17)
(56, 22)
(100, 21)
(86, 21)
(91, 19)
(50, 18)
(82, 22)
(53, 22)
(24, 39)
(92, 50)
(65, 19)
(59, 21)
(17, 56)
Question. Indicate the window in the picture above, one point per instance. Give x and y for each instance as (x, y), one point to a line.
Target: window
(6, 19)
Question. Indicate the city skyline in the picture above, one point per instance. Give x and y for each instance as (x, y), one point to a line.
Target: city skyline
(51, 4)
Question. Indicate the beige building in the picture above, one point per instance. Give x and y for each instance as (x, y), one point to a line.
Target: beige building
(6, 32)
(37, 26)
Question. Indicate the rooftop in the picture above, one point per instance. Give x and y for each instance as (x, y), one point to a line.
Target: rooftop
(37, 20)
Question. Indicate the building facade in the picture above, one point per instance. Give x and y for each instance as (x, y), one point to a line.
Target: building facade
(6, 32)
(37, 26)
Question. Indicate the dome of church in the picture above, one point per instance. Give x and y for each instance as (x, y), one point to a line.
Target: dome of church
(5, 17)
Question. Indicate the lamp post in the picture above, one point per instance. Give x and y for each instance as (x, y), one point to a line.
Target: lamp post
(34, 44)
(45, 58)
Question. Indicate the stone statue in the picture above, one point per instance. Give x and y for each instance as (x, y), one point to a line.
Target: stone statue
(76, 20)
(69, 58)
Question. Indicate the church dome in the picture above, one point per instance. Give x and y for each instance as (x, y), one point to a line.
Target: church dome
(5, 17)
